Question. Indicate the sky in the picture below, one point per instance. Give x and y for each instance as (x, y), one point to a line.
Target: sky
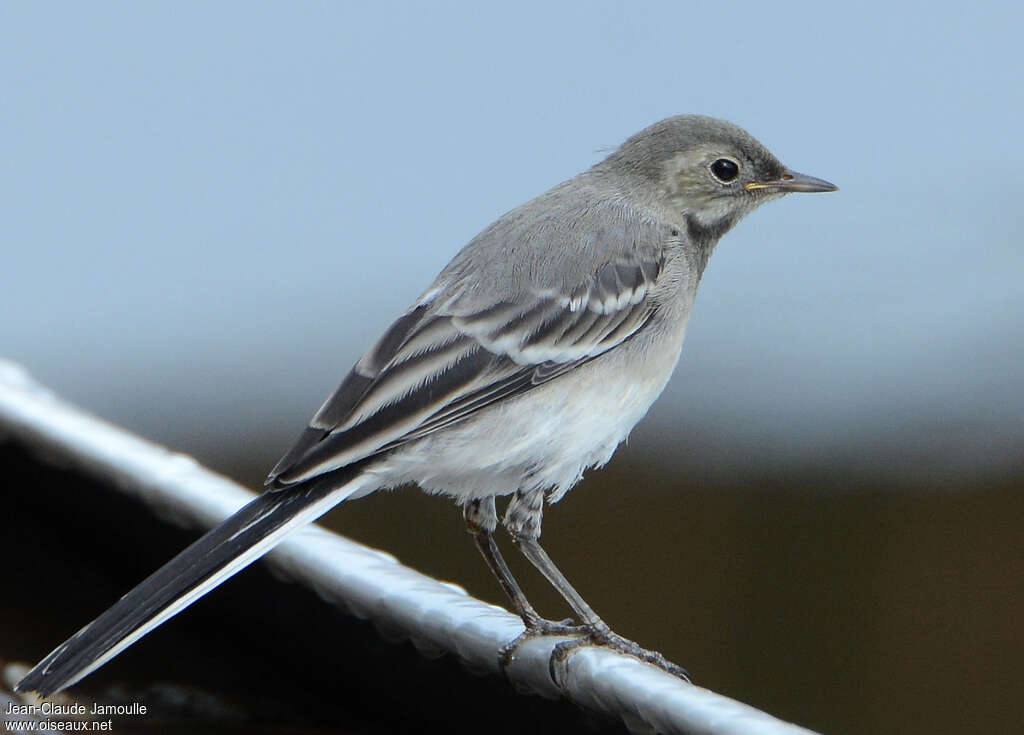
(207, 211)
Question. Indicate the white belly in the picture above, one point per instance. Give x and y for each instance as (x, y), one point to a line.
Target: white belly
(544, 439)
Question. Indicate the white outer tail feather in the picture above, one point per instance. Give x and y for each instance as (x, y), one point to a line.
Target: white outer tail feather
(305, 516)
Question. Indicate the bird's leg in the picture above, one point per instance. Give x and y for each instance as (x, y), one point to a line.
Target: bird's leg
(523, 521)
(481, 520)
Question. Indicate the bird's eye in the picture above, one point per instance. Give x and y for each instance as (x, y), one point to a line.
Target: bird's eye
(725, 170)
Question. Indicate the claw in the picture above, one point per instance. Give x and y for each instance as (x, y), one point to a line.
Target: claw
(561, 653)
(537, 629)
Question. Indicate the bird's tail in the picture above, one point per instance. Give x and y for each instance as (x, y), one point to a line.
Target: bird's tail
(230, 547)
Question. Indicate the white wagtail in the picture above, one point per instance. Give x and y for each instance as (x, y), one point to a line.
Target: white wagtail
(528, 360)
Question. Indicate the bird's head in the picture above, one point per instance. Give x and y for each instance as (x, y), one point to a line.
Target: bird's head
(709, 171)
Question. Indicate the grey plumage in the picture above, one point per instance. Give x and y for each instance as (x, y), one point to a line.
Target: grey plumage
(528, 360)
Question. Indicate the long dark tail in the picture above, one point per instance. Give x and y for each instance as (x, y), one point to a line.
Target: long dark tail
(230, 547)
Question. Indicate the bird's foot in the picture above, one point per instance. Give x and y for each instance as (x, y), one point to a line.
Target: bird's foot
(603, 636)
(538, 628)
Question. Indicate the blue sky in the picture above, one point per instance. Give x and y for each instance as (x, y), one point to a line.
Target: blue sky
(208, 210)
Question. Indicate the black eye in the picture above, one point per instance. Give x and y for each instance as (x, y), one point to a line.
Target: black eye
(725, 170)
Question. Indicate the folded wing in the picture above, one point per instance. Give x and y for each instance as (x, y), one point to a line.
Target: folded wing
(436, 365)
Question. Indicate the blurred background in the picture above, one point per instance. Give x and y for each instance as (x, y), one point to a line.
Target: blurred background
(208, 211)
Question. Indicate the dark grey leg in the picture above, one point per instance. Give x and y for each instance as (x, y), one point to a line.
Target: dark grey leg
(482, 519)
(523, 520)
(532, 550)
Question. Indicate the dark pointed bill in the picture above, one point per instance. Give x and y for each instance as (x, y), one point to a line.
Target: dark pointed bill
(791, 181)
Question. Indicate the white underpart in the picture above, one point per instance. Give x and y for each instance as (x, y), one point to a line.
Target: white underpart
(545, 438)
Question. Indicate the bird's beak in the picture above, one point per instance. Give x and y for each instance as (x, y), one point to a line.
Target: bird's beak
(791, 181)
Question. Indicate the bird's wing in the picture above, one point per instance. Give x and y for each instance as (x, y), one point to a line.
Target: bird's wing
(434, 366)
(437, 365)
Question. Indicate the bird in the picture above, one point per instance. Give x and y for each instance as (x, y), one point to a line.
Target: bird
(526, 362)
